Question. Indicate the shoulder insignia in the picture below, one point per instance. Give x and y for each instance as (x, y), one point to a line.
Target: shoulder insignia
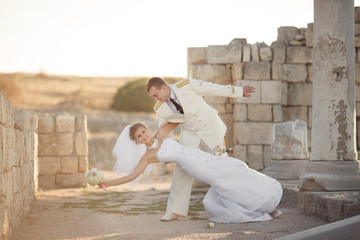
(182, 83)
(157, 105)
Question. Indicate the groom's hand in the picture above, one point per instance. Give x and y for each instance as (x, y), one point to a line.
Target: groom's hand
(247, 90)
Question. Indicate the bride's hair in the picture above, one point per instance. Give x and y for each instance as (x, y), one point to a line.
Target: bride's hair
(134, 128)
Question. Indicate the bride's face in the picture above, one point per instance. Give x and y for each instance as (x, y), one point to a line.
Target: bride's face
(142, 135)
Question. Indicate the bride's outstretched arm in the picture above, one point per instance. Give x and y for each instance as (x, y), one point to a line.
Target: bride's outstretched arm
(165, 129)
(143, 163)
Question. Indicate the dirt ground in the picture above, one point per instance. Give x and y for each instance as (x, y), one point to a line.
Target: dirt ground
(125, 212)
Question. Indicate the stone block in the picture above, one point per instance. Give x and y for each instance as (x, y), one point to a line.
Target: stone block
(240, 112)
(246, 53)
(83, 164)
(357, 15)
(286, 169)
(10, 118)
(255, 156)
(300, 94)
(309, 123)
(9, 179)
(196, 55)
(255, 97)
(49, 165)
(255, 133)
(23, 119)
(3, 185)
(357, 41)
(265, 54)
(81, 143)
(2, 108)
(279, 53)
(291, 113)
(255, 53)
(295, 73)
(284, 94)
(213, 73)
(81, 123)
(19, 147)
(287, 33)
(289, 141)
(266, 155)
(309, 35)
(238, 41)
(64, 123)
(257, 71)
(271, 92)
(56, 144)
(237, 71)
(240, 152)
(47, 182)
(310, 73)
(8, 147)
(229, 107)
(224, 54)
(46, 123)
(70, 180)
(277, 113)
(69, 164)
(228, 119)
(357, 90)
(259, 113)
(358, 109)
(300, 55)
(357, 72)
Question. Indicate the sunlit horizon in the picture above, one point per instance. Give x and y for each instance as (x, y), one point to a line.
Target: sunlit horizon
(132, 38)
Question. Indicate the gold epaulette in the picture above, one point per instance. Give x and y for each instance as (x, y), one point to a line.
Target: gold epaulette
(157, 105)
(182, 83)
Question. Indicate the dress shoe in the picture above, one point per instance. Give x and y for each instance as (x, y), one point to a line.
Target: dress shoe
(277, 214)
(169, 217)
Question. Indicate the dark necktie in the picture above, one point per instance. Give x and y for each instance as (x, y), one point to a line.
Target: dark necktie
(178, 107)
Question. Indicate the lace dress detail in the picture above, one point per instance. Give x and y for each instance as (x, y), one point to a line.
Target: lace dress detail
(237, 193)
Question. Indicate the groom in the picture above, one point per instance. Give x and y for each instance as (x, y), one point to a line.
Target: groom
(201, 126)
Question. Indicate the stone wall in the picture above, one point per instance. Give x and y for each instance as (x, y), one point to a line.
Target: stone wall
(18, 164)
(63, 150)
(282, 76)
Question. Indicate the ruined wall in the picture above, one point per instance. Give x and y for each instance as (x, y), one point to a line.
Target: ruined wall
(18, 164)
(282, 76)
(63, 150)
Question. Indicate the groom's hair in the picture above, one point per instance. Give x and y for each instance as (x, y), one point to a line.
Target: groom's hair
(155, 82)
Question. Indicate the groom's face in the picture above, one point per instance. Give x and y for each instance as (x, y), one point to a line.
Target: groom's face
(160, 94)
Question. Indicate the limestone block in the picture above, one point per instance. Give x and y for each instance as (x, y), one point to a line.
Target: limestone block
(246, 53)
(3, 185)
(300, 94)
(309, 118)
(238, 41)
(240, 152)
(284, 93)
(196, 55)
(266, 155)
(28, 149)
(3, 149)
(277, 113)
(46, 123)
(49, 165)
(47, 182)
(237, 71)
(70, 180)
(310, 73)
(64, 123)
(9, 179)
(81, 143)
(83, 164)
(10, 118)
(17, 180)
(81, 123)
(256, 96)
(19, 148)
(358, 109)
(259, 113)
(357, 90)
(2, 108)
(309, 35)
(296, 43)
(23, 119)
(357, 41)
(289, 72)
(229, 107)
(257, 71)
(286, 169)
(357, 72)
(358, 55)
(213, 73)
(9, 146)
(228, 119)
(255, 53)
(252, 133)
(357, 15)
(56, 144)
(224, 54)
(240, 112)
(255, 156)
(279, 53)
(271, 92)
(69, 164)
(287, 33)
(265, 54)
(299, 55)
(289, 140)
(291, 113)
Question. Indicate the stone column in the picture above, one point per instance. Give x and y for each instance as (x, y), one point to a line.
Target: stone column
(333, 159)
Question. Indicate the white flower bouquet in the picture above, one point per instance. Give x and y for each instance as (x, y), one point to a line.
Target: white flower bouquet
(94, 177)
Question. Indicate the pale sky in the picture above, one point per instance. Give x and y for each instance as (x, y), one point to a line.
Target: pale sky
(132, 37)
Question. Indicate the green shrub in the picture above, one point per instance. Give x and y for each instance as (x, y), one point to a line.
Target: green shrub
(132, 97)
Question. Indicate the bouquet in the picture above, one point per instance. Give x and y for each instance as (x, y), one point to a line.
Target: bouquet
(94, 177)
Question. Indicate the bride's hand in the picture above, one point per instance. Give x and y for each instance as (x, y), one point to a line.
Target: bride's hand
(102, 185)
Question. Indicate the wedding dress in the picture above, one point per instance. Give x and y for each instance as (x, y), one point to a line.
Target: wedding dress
(237, 193)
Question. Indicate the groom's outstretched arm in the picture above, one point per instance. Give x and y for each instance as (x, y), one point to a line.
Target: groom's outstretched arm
(165, 129)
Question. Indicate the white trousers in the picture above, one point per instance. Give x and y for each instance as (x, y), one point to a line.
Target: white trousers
(180, 191)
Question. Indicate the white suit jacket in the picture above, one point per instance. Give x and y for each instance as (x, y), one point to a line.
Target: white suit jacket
(199, 117)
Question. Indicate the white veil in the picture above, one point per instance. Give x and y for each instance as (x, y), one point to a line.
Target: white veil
(128, 154)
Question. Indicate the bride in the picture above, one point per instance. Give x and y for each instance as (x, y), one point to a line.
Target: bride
(236, 194)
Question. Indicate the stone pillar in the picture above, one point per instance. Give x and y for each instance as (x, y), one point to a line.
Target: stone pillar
(333, 160)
